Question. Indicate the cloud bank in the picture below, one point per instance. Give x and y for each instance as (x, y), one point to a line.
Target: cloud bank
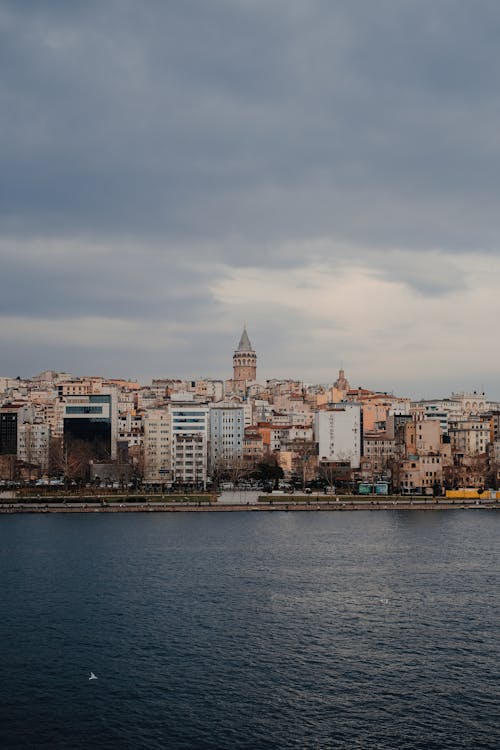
(326, 171)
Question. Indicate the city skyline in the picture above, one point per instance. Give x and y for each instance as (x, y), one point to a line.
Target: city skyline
(324, 171)
(231, 379)
(196, 432)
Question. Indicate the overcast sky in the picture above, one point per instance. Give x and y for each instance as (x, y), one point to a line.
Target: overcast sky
(326, 170)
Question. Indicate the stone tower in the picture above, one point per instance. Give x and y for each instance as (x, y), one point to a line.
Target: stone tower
(342, 384)
(244, 361)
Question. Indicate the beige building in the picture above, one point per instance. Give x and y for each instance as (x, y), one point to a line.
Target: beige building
(253, 446)
(427, 456)
(423, 436)
(470, 403)
(299, 461)
(421, 474)
(470, 437)
(157, 446)
(379, 451)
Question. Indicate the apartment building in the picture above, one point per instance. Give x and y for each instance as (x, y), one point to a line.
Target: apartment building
(338, 432)
(190, 433)
(157, 446)
(227, 429)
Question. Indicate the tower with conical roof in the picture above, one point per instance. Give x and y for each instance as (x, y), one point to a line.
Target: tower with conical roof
(342, 384)
(244, 361)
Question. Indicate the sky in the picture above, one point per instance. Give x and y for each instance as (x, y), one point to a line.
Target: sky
(326, 170)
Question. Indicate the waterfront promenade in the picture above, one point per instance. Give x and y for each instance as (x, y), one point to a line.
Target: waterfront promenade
(237, 502)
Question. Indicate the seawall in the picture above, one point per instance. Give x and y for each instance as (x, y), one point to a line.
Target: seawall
(264, 504)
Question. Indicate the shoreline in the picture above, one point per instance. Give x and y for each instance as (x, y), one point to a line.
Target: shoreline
(263, 505)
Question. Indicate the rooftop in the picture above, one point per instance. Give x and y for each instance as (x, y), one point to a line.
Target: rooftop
(244, 345)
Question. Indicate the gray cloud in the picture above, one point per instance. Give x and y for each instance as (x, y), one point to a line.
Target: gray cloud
(103, 281)
(178, 120)
(157, 140)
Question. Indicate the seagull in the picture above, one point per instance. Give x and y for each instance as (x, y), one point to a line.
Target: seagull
(92, 676)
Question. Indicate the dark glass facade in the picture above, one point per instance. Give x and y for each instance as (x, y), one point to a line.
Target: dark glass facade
(94, 433)
(8, 433)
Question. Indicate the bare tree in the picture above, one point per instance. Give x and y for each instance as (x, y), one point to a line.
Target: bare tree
(229, 469)
(57, 462)
(304, 452)
(78, 455)
(334, 472)
(237, 469)
(136, 457)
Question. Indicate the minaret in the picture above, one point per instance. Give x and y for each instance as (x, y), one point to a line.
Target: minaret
(244, 361)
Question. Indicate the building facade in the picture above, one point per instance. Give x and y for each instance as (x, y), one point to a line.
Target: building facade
(338, 432)
(157, 447)
(227, 429)
(189, 443)
(93, 420)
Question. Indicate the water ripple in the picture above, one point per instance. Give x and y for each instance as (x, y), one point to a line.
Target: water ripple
(354, 630)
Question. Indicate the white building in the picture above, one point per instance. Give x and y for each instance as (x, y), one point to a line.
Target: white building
(227, 428)
(287, 434)
(189, 442)
(338, 434)
(130, 429)
(33, 441)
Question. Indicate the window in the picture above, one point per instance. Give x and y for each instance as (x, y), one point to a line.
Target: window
(84, 410)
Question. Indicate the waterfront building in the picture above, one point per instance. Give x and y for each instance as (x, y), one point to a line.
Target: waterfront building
(25, 438)
(421, 474)
(91, 419)
(427, 458)
(8, 430)
(338, 432)
(189, 442)
(379, 452)
(227, 428)
(33, 443)
(470, 437)
(157, 446)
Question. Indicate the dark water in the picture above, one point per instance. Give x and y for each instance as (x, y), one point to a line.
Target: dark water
(250, 630)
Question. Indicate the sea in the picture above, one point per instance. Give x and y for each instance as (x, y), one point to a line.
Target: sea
(250, 630)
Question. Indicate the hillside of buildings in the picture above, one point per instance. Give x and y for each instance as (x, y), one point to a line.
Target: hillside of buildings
(206, 433)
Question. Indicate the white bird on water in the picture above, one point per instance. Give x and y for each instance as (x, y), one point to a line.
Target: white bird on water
(92, 676)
